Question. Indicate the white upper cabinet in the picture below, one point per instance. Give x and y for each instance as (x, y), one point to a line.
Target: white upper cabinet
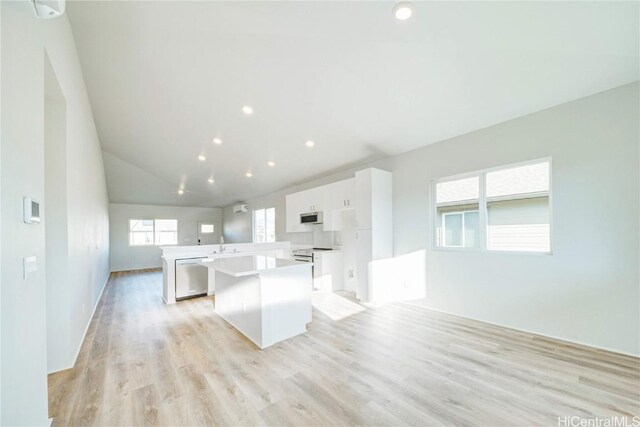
(302, 202)
(339, 197)
(297, 203)
(343, 194)
(329, 199)
(313, 200)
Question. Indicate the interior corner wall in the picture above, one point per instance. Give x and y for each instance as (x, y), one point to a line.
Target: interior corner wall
(25, 41)
(124, 257)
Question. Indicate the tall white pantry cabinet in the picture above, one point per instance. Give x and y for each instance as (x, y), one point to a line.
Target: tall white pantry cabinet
(374, 217)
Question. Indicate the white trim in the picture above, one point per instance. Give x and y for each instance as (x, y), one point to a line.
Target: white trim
(493, 251)
(539, 334)
(495, 169)
(458, 202)
(520, 196)
(483, 214)
(84, 335)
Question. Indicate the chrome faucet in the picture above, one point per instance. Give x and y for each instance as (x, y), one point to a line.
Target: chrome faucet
(222, 248)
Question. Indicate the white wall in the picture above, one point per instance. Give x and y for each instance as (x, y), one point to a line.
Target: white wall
(24, 310)
(59, 352)
(124, 257)
(588, 290)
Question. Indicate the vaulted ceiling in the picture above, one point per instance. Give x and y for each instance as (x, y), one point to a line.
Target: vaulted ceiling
(165, 78)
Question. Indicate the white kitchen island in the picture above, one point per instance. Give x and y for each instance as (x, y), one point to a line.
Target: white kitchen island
(266, 298)
(172, 254)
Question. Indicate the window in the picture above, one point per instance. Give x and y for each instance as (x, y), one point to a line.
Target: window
(518, 209)
(264, 225)
(457, 211)
(460, 229)
(145, 232)
(206, 228)
(166, 231)
(140, 232)
(502, 209)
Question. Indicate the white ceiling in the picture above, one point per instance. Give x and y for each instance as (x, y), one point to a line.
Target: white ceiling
(164, 78)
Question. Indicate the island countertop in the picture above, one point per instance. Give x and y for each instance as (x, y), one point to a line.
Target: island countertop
(248, 265)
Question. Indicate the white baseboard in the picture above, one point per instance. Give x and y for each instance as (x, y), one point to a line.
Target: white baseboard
(137, 269)
(584, 344)
(84, 335)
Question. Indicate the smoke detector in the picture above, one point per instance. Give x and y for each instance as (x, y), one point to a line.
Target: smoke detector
(47, 9)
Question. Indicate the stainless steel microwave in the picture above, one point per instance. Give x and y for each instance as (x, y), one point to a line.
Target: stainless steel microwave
(311, 218)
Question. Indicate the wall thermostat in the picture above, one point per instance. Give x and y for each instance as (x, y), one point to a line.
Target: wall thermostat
(31, 211)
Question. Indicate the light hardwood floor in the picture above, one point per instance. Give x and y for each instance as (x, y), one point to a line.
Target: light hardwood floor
(147, 363)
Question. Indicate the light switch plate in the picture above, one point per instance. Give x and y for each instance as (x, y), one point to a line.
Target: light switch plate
(29, 266)
(31, 211)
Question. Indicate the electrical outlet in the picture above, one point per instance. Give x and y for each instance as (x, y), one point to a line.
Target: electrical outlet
(351, 273)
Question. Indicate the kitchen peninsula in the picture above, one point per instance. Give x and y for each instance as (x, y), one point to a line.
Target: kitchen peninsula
(267, 299)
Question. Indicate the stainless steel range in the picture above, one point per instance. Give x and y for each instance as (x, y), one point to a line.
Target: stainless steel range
(306, 255)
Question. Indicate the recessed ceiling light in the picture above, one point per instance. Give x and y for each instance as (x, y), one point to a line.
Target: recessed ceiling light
(248, 174)
(210, 180)
(271, 163)
(403, 10)
(217, 141)
(181, 191)
(202, 157)
(247, 109)
(309, 144)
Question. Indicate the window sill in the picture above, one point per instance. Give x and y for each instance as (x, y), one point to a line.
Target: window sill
(485, 251)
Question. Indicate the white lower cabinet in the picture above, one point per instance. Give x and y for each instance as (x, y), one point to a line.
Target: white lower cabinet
(363, 258)
(327, 271)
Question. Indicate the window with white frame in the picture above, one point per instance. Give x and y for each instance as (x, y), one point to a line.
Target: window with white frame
(207, 229)
(264, 225)
(457, 213)
(148, 232)
(500, 209)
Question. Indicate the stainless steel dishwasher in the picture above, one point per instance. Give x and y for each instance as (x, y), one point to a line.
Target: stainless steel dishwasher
(192, 279)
